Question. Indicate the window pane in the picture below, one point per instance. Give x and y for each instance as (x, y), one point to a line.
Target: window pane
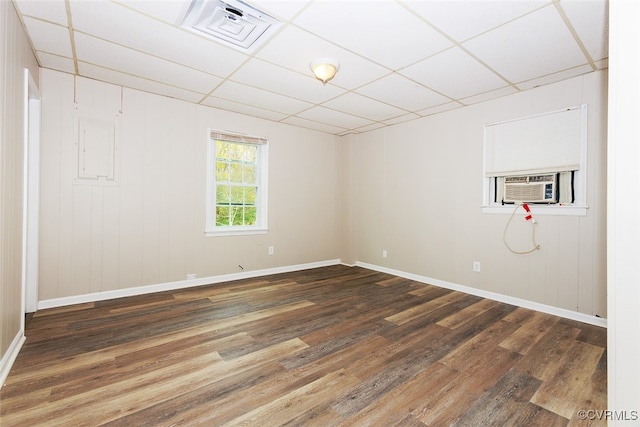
(236, 151)
(250, 154)
(235, 172)
(222, 149)
(235, 213)
(250, 173)
(250, 195)
(236, 179)
(222, 215)
(222, 171)
(223, 194)
(250, 215)
(236, 196)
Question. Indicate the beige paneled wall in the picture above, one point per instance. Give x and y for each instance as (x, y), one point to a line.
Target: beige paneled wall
(415, 190)
(149, 228)
(15, 56)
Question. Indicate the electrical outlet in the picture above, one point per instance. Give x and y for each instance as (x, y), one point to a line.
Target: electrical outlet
(271, 250)
(384, 253)
(476, 266)
(191, 276)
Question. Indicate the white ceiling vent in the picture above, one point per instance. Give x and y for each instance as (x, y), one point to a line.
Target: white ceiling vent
(231, 22)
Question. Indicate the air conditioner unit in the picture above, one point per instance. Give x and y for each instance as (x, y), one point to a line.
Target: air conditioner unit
(530, 189)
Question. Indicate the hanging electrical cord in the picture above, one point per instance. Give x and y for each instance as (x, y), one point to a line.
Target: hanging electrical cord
(529, 217)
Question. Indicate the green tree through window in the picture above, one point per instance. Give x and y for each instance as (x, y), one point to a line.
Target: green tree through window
(236, 181)
(237, 174)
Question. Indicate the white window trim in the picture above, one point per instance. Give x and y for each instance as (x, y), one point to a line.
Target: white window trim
(541, 210)
(578, 208)
(211, 229)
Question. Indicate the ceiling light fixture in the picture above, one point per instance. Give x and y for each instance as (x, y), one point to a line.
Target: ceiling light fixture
(324, 69)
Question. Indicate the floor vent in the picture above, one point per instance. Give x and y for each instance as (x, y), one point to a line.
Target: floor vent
(231, 22)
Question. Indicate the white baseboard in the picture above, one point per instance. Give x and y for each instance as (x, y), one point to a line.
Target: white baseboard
(556, 311)
(10, 356)
(181, 284)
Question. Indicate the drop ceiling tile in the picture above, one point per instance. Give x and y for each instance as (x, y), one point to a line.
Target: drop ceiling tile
(295, 48)
(403, 93)
(165, 10)
(361, 106)
(367, 128)
(51, 11)
(439, 109)
(515, 54)
(310, 124)
(135, 43)
(383, 31)
(285, 81)
(55, 62)
(336, 118)
(127, 80)
(401, 119)
(259, 98)
(48, 37)
(108, 55)
(590, 19)
(465, 76)
(249, 110)
(555, 77)
(123, 26)
(283, 10)
(493, 94)
(464, 19)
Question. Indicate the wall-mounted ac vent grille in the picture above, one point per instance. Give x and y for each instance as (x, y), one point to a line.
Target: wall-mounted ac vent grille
(530, 188)
(231, 22)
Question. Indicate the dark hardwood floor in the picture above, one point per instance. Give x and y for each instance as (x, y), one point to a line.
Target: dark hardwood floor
(329, 346)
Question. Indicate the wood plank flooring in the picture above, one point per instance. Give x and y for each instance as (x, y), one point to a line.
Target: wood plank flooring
(322, 347)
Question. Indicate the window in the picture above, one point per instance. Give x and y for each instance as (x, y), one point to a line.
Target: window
(539, 159)
(236, 184)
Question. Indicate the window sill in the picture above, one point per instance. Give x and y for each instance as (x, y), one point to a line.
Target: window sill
(235, 232)
(559, 210)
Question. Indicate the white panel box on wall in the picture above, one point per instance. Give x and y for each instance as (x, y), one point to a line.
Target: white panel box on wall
(96, 143)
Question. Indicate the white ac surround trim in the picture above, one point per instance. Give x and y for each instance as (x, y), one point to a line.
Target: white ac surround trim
(10, 356)
(580, 207)
(542, 210)
(556, 311)
(181, 284)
